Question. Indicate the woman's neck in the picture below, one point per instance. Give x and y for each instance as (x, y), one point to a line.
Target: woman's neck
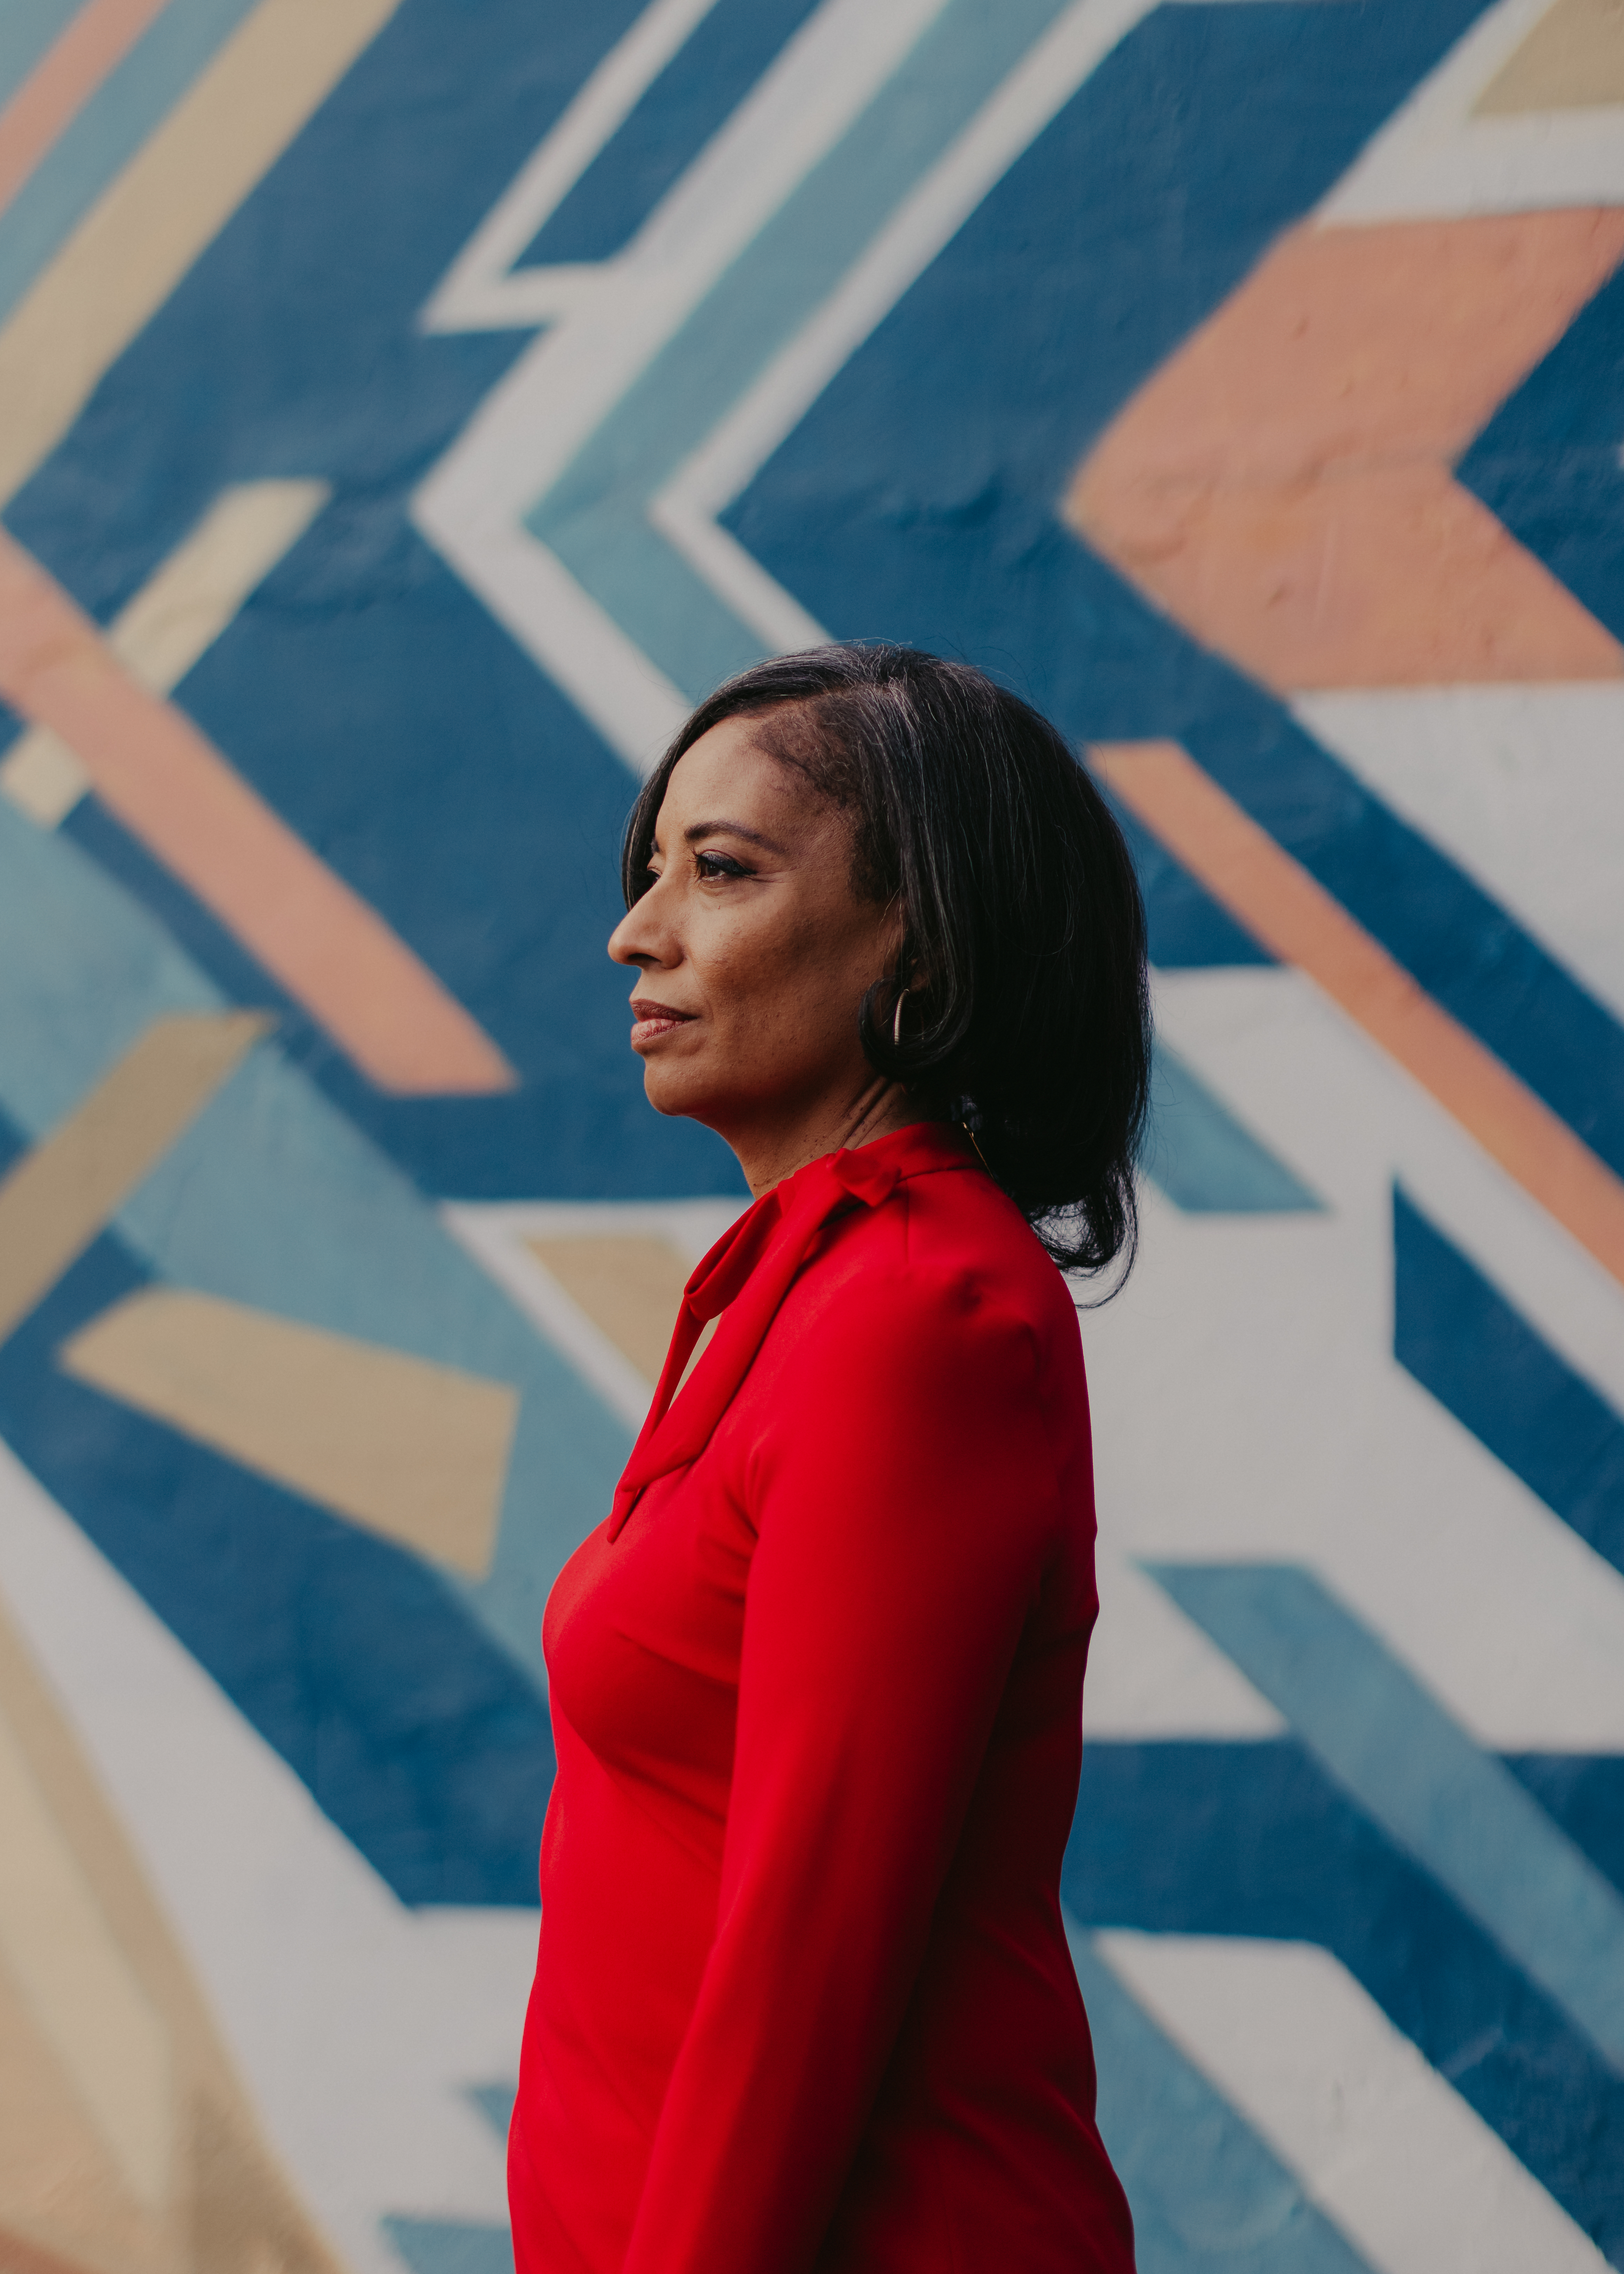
(768, 1156)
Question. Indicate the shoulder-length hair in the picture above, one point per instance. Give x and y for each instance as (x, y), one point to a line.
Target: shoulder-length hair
(1021, 974)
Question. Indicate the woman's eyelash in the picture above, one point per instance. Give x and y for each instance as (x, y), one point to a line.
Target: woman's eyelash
(719, 864)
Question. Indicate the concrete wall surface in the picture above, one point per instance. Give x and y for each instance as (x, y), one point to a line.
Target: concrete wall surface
(408, 407)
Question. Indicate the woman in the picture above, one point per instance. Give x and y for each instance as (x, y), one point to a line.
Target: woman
(803, 1997)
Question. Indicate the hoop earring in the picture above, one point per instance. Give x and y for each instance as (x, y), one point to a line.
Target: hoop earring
(896, 1024)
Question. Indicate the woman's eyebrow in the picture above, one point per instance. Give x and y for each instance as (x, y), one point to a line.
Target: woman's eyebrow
(698, 829)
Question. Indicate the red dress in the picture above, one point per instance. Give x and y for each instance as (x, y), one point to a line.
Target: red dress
(803, 1997)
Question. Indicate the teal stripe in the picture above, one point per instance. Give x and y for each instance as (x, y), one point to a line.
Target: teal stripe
(1459, 1812)
(1204, 1159)
(273, 1198)
(133, 99)
(494, 2102)
(593, 517)
(27, 28)
(443, 2246)
(1207, 2195)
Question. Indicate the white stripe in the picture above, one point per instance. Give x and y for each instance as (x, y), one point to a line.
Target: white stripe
(735, 576)
(1247, 1405)
(526, 587)
(534, 421)
(355, 2024)
(1152, 1672)
(1034, 92)
(1378, 2140)
(477, 292)
(1522, 787)
(531, 425)
(1433, 160)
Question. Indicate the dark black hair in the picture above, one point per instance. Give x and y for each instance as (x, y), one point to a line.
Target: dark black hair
(1028, 1018)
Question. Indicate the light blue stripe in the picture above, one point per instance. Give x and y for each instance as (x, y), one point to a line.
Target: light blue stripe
(495, 2103)
(108, 131)
(438, 2246)
(86, 971)
(594, 515)
(1207, 2195)
(1204, 1159)
(273, 1198)
(27, 28)
(1459, 1812)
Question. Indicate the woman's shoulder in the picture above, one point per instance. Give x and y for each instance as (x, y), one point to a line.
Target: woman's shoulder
(947, 1254)
(937, 1312)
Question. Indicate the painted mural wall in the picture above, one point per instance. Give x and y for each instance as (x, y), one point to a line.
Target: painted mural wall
(407, 408)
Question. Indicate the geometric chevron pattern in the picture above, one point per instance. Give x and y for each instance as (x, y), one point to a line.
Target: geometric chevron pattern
(410, 407)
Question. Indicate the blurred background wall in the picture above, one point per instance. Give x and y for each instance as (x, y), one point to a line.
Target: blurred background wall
(407, 408)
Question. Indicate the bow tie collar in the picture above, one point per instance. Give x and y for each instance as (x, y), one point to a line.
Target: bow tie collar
(742, 1281)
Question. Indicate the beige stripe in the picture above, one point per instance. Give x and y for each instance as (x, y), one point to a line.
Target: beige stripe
(228, 2209)
(629, 1286)
(1572, 60)
(43, 778)
(176, 617)
(139, 238)
(80, 1987)
(185, 606)
(416, 1452)
(60, 2184)
(20, 2254)
(60, 1195)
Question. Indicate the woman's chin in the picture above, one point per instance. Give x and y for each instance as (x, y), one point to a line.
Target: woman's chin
(670, 1090)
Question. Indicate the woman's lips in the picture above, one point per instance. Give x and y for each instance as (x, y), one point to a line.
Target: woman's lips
(649, 1021)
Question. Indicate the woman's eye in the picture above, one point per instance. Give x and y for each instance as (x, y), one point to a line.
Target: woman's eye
(710, 866)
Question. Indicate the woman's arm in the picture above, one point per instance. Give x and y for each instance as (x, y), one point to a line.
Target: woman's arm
(905, 1507)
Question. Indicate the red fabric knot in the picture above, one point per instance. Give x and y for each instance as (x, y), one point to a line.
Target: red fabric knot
(866, 1177)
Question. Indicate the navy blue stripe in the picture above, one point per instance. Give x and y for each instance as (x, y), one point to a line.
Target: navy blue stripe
(703, 83)
(1463, 1342)
(415, 1733)
(1548, 462)
(919, 498)
(1584, 1793)
(1192, 1838)
(293, 346)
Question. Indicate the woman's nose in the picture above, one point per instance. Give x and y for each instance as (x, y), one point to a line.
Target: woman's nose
(638, 937)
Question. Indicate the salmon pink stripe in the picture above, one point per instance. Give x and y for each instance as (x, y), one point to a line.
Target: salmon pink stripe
(170, 787)
(64, 81)
(1284, 486)
(1298, 920)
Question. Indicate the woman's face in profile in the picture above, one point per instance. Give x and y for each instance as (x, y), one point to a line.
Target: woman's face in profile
(752, 949)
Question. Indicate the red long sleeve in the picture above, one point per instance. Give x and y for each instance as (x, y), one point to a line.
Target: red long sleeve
(803, 1997)
(902, 1533)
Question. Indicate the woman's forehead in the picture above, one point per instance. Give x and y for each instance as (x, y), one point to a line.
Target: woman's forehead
(727, 775)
